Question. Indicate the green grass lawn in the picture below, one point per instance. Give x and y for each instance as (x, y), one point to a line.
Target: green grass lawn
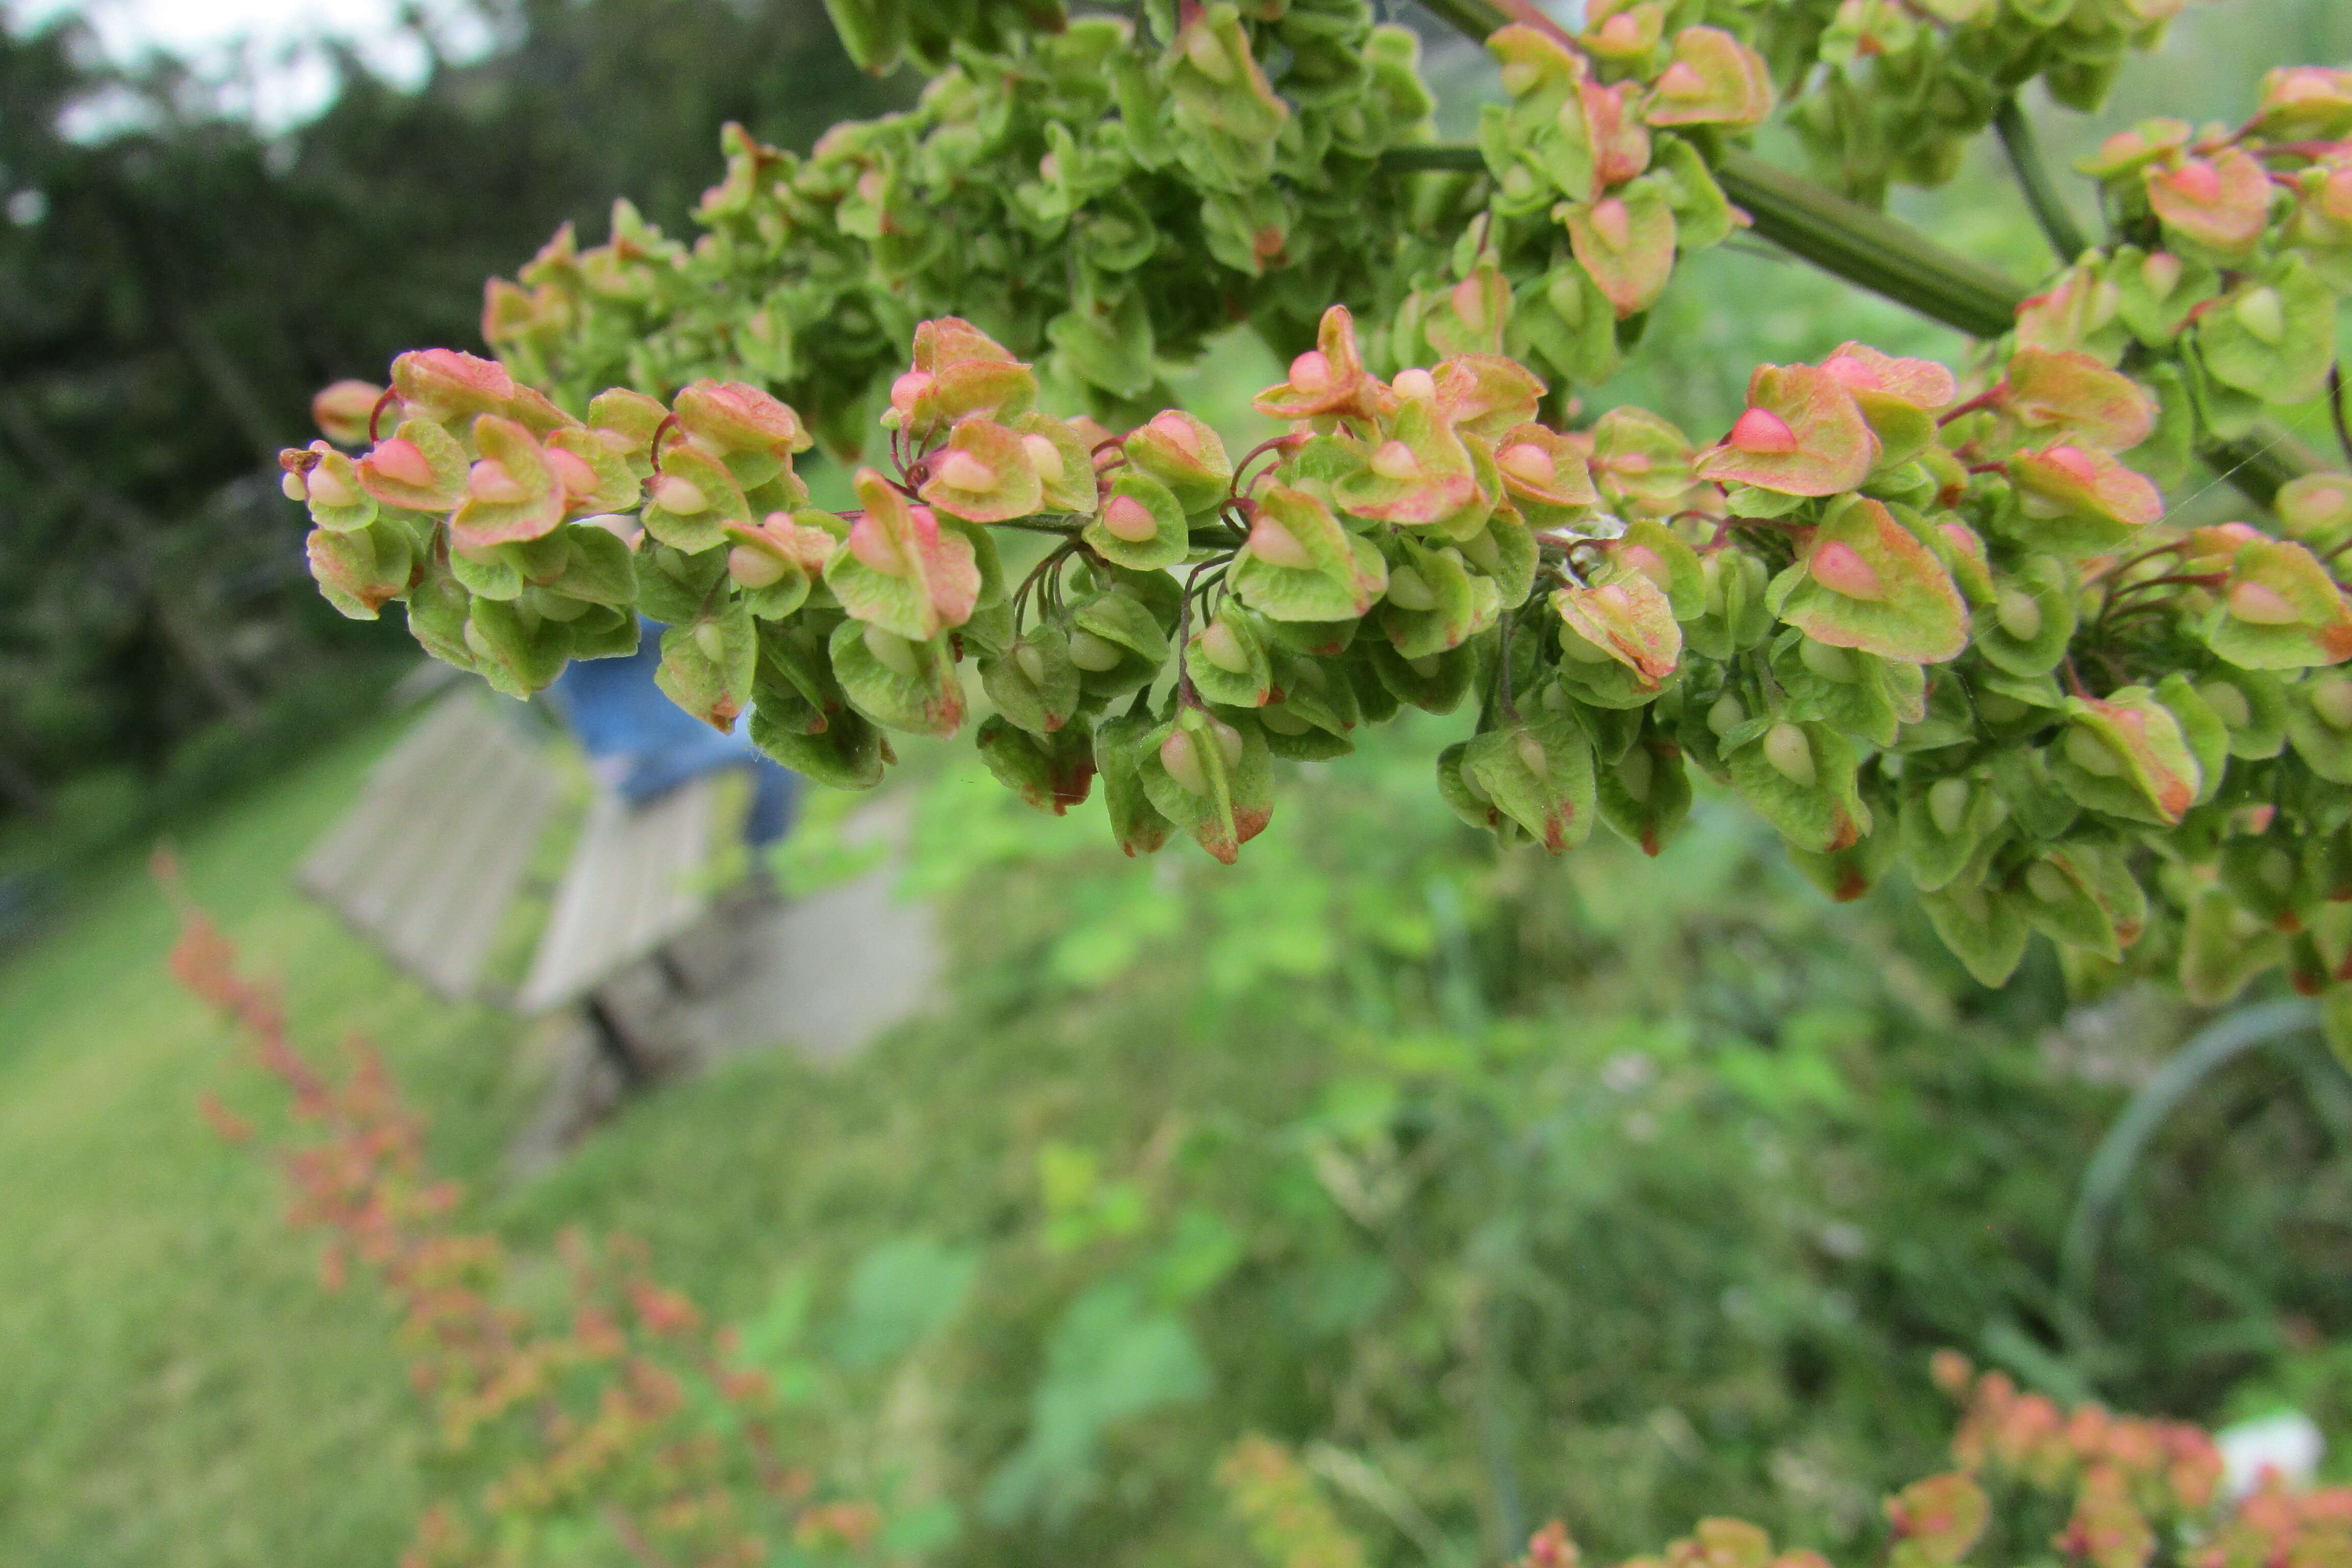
(174, 1387)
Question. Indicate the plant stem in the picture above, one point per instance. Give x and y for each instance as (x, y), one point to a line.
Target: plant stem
(1867, 248)
(2058, 226)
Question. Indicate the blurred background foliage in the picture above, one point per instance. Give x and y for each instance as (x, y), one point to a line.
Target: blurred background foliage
(1623, 1190)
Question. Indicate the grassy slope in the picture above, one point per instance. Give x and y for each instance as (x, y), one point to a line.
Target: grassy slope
(174, 1388)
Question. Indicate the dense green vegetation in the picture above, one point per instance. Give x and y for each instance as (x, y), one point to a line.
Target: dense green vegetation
(1618, 1189)
(1623, 1190)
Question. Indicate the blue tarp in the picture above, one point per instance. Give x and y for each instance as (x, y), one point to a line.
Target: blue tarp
(644, 745)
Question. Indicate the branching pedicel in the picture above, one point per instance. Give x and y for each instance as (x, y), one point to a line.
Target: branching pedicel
(1906, 619)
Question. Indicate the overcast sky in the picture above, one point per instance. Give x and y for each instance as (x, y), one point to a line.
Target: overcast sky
(277, 40)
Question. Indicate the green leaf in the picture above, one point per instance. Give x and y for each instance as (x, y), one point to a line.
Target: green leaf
(896, 681)
(1947, 827)
(2126, 757)
(1120, 745)
(1033, 683)
(1301, 565)
(707, 664)
(1800, 778)
(1228, 659)
(2275, 335)
(2319, 724)
(1538, 773)
(1869, 583)
(1211, 778)
(1982, 927)
(517, 651)
(360, 570)
(2280, 610)
(1645, 794)
(1052, 773)
(2026, 628)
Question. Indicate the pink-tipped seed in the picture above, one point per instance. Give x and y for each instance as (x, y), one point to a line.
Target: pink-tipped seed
(1849, 372)
(2199, 181)
(1416, 384)
(678, 496)
(1311, 372)
(2074, 463)
(1277, 546)
(1222, 647)
(2258, 604)
(874, 548)
(1470, 304)
(572, 471)
(1180, 431)
(1682, 80)
(1648, 563)
(328, 491)
(1529, 464)
(486, 481)
(1129, 519)
(1614, 223)
(402, 462)
(1044, 457)
(908, 389)
(1395, 461)
(752, 567)
(1839, 567)
(959, 470)
(1760, 432)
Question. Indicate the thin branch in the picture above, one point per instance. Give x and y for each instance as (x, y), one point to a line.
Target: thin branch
(2058, 226)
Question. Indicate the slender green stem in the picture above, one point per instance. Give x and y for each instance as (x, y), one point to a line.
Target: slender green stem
(2058, 226)
(1867, 248)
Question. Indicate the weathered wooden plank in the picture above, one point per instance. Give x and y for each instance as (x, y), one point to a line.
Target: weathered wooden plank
(430, 856)
(632, 885)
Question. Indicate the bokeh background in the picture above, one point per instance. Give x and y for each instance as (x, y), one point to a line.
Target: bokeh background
(1619, 1190)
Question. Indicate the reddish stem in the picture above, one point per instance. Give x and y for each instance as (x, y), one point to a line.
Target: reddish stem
(376, 413)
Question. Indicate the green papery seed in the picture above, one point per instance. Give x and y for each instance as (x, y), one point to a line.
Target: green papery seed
(1178, 756)
(2331, 699)
(2277, 870)
(1278, 718)
(1582, 648)
(1531, 754)
(1224, 649)
(2020, 613)
(1636, 770)
(2228, 703)
(2048, 883)
(1426, 666)
(754, 568)
(1409, 590)
(894, 652)
(2263, 313)
(1999, 708)
(2092, 754)
(1090, 652)
(1791, 754)
(1947, 804)
(1032, 660)
(713, 642)
(1829, 662)
(1726, 715)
